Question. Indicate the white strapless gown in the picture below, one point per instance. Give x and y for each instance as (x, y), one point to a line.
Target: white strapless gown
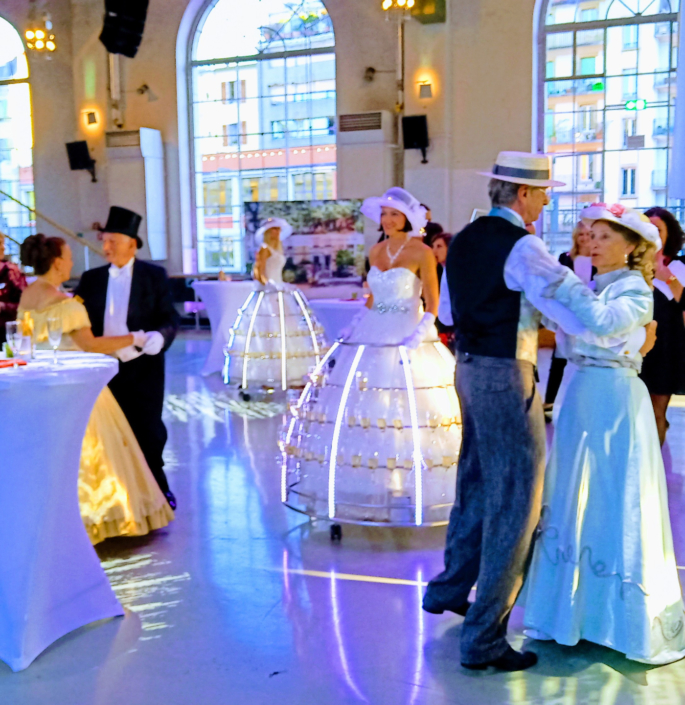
(276, 339)
(376, 435)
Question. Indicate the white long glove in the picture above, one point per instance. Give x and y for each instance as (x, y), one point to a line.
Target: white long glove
(420, 332)
(154, 343)
(347, 331)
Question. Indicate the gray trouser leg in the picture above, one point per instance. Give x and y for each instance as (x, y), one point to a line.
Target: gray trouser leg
(498, 499)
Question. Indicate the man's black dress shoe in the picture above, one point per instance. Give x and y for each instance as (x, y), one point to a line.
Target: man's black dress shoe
(432, 608)
(171, 499)
(510, 660)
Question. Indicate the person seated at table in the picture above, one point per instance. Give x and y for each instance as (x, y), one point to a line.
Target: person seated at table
(118, 494)
(12, 283)
(276, 338)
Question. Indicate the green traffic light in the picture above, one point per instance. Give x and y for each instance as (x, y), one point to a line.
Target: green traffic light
(639, 104)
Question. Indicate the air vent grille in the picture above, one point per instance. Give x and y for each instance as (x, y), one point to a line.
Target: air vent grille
(358, 122)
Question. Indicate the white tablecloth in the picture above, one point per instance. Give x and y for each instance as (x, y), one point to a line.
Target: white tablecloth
(51, 581)
(222, 301)
(335, 315)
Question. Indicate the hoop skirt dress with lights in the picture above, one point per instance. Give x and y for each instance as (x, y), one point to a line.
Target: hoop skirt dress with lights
(375, 436)
(275, 340)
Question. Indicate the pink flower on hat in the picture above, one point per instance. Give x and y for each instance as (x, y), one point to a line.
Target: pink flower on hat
(617, 209)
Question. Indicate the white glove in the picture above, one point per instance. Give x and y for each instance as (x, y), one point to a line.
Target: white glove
(347, 331)
(139, 339)
(420, 332)
(154, 343)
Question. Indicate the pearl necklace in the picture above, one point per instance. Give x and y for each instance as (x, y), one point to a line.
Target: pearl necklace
(392, 258)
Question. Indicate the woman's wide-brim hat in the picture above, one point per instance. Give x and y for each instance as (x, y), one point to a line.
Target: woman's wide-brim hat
(523, 168)
(400, 200)
(631, 219)
(284, 226)
(122, 220)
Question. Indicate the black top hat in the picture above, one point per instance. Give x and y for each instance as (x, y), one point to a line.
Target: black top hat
(122, 220)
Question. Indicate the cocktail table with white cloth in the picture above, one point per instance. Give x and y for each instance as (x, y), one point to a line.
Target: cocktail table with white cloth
(336, 314)
(51, 580)
(222, 299)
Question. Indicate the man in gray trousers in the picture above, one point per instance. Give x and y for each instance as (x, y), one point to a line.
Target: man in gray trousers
(491, 267)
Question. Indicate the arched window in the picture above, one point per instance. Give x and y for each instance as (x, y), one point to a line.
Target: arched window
(263, 116)
(16, 138)
(607, 97)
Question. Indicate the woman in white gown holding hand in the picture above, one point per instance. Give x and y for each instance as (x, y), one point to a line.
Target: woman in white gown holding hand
(603, 568)
(376, 435)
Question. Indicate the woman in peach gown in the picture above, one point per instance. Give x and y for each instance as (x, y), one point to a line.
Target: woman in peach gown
(118, 495)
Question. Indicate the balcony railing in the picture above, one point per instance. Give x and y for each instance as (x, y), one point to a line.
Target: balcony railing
(659, 179)
(661, 129)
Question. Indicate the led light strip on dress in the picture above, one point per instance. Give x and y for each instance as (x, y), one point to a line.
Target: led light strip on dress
(305, 313)
(336, 431)
(231, 338)
(445, 354)
(293, 421)
(284, 368)
(417, 456)
(248, 339)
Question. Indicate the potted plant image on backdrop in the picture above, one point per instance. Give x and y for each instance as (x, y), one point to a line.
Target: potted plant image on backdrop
(327, 243)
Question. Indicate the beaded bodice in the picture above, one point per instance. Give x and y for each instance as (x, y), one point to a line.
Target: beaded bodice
(274, 266)
(397, 289)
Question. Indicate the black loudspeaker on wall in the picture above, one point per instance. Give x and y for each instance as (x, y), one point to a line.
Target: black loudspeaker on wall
(80, 159)
(415, 131)
(124, 25)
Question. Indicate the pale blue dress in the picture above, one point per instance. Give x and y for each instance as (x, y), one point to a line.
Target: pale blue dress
(603, 567)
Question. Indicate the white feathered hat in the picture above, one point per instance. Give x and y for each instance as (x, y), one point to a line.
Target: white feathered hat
(400, 200)
(627, 217)
(285, 228)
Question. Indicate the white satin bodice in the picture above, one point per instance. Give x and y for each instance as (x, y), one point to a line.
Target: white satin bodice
(274, 266)
(396, 310)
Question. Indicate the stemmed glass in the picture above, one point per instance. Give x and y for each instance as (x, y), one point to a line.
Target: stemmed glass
(14, 339)
(55, 333)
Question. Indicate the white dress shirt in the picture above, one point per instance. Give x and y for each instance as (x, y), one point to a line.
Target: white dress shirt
(116, 312)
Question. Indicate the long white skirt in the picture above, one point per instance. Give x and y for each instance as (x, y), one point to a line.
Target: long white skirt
(603, 568)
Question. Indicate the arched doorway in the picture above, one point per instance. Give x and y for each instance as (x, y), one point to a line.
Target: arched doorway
(263, 105)
(16, 137)
(607, 89)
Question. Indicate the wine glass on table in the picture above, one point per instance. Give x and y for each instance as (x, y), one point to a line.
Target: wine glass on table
(55, 333)
(14, 339)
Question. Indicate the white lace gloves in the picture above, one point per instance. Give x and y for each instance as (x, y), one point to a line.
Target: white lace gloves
(420, 332)
(154, 343)
(346, 332)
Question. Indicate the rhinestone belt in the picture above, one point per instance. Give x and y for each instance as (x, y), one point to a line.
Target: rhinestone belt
(389, 308)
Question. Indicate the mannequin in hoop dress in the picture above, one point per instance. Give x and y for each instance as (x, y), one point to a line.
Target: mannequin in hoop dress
(275, 339)
(375, 436)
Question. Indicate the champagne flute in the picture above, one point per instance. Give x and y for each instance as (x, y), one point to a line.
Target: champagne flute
(14, 339)
(55, 333)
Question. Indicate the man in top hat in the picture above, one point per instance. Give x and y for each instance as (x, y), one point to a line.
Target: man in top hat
(131, 295)
(498, 277)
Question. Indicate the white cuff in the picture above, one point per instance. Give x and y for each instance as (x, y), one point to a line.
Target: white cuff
(635, 341)
(678, 269)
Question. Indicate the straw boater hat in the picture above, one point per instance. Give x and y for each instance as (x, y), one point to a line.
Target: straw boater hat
(523, 168)
(285, 227)
(400, 200)
(627, 217)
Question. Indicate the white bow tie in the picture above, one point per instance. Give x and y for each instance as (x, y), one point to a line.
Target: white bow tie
(115, 272)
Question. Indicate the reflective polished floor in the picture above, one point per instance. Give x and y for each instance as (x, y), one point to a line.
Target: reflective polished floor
(243, 601)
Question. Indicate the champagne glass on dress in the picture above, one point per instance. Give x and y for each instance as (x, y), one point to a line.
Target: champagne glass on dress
(14, 338)
(55, 333)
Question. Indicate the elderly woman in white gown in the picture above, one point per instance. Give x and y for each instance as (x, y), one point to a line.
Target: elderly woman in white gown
(603, 568)
(376, 436)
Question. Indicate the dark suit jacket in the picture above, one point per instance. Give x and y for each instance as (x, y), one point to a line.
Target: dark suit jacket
(150, 306)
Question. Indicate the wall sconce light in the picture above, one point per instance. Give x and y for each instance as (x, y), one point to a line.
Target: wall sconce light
(90, 118)
(425, 90)
(146, 90)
